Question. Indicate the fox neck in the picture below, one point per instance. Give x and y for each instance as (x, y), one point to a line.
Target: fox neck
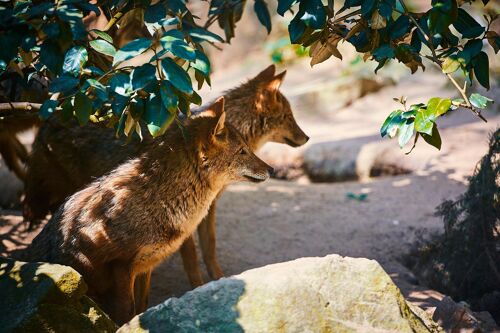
(177, 182)
(242, 113)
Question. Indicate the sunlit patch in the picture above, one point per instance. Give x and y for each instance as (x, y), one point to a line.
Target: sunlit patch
(281, 189)
(242, 188)
(401, 182)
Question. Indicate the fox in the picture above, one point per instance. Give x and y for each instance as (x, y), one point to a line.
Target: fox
(65, 158)
(13, 152)
(15, 121)
(128, 221)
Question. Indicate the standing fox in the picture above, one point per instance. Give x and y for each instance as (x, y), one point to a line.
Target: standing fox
(126, 222)
(64, 159)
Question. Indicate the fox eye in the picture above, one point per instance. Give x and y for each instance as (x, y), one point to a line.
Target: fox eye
(242, 151)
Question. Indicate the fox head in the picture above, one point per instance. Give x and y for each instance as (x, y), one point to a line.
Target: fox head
(222, 151)
(270, 118)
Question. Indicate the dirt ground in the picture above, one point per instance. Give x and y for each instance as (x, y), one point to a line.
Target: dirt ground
(279, 220)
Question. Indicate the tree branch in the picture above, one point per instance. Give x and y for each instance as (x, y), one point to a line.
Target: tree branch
(20, 106)
(437, 61)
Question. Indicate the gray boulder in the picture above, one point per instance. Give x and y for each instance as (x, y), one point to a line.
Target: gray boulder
(354, 159)
(330, 294)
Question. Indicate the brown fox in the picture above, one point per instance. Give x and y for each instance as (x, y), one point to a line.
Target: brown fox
(64, 158)
(126, 222)
(12, 88)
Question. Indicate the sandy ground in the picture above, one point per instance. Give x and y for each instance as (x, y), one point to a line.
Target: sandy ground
(278, 221)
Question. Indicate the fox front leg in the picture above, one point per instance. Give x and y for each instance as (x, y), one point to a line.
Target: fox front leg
(190, 262)
(141, 291)
(207, 235)
(122, 305)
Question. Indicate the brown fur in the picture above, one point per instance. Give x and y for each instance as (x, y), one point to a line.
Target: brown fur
(64, 158)
(13, 88)
(126, 222)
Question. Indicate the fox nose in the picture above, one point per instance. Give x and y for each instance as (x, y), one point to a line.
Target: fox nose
(270, 171)
(306, 138)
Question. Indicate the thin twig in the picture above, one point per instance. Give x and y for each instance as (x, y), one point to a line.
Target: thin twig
(342, 18)
(113, 20)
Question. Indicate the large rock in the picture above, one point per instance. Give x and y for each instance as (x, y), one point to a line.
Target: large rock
(41, 297)
(330, 294)
(359, 158)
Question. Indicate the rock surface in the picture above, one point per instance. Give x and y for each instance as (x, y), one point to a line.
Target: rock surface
(330, 294)
(457, 317)
(41, 297)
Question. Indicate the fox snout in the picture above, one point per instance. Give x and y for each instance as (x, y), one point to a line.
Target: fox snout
(296, 138)
(257, 171)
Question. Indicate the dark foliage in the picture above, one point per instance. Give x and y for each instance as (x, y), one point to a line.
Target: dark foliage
(465, 262)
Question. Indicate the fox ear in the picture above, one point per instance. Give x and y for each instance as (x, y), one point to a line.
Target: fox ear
(217, 108)
(214, 109)
(266, 74)
(275, 83)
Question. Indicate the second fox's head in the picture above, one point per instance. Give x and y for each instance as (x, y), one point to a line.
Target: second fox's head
(262, 114)
(222, 151)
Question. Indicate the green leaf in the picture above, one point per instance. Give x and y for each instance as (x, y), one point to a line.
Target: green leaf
(142, 76)
(168, 97)
(394, 120)
(51, 56)
(103, 47)
(262, 12)
(132, 49)
(39, 10)
(313, 13)
(467, 25)
(437, 106)
(75, 59)
(95, 70)
(177, 76)
(67, 110)
(155, 13)
(472, 49)
(157, 118)
(400, 27)
(434, 139)
(201, 63)
(100, 90)
(384, 52)
(451, 64)
(422, 123)
(73, 16)
(63, 84)
(482, 69)
(120, 84)
(480, 101)
(48, 107)
(83, 108)
(295, 29)
(367, 7)
(200, 35)
(284, 6)
(103, 35)
(182, 50)
(406, 132)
